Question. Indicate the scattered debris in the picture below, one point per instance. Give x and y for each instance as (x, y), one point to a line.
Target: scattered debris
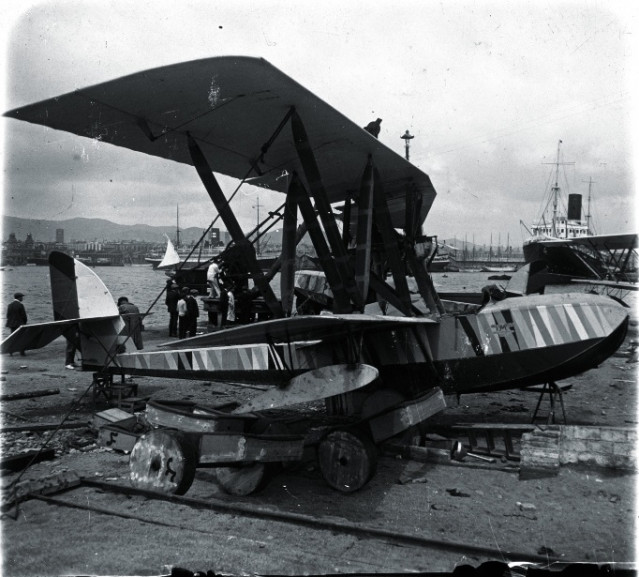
(457, 493)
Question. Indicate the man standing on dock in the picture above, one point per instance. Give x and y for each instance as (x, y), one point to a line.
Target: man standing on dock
(193, 312)
(171, 301)
(183, 313)
(16, 314)
(212, 279)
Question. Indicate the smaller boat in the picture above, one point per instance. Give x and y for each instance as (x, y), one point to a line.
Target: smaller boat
(501, 269)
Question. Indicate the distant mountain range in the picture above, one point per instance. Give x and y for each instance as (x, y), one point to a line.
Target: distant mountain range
(89, 229)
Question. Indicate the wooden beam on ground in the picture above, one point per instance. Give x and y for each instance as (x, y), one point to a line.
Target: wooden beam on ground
(36, 427)
(29, 394)
(314, 522)
(23, 460)
(49, 485)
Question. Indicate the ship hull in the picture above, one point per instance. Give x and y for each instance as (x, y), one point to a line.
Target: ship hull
(563, 263)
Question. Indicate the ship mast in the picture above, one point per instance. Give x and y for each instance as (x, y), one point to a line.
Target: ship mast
(555, 192)
(588, 215)
(177, 232)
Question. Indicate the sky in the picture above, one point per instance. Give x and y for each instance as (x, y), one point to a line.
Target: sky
(488, 89)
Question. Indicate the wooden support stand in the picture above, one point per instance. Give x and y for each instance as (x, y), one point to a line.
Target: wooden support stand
(554, 392)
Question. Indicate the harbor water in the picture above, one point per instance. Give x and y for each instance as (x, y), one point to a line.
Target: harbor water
(142, 285)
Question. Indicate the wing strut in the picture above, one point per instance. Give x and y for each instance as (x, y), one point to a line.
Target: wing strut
(289, 233)
(232, 225)
(364, 231)
(314, 179)
(389, 237)
(342, 302)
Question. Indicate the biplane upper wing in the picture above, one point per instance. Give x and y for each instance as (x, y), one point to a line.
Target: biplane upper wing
(232, 107)
(599, 241)
(301, 328)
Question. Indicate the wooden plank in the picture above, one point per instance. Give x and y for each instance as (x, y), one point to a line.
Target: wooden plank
(23, 460)
(29, 394)
(35, 427)
(183, 416)
(223, 448)
(406, 415)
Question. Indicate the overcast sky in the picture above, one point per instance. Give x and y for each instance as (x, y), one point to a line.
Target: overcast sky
(487, 89)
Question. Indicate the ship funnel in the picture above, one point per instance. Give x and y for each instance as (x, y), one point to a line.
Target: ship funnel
(574, 207)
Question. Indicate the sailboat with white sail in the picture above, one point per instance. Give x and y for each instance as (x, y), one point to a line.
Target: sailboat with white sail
(177, 254)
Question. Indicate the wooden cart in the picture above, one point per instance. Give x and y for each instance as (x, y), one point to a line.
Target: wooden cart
(244, 447)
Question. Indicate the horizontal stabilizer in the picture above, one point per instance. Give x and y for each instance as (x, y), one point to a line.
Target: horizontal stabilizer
(35, 336)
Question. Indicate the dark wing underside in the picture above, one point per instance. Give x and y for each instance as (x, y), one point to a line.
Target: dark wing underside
(231, 106)
(301, 328)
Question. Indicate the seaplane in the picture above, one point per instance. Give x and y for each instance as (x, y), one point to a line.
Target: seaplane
(377, 355)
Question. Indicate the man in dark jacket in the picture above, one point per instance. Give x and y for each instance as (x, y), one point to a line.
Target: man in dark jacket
(16, 314)
(171, 301)
(193, 312)
(132, 320)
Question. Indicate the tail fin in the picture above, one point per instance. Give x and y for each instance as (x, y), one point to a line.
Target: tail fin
(77, 292)
(82, 308)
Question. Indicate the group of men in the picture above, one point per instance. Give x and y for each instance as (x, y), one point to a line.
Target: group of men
(183, 310)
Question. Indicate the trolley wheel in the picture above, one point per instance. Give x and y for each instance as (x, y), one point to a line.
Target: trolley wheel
(241, 480)
(163, 461)
(347, 459)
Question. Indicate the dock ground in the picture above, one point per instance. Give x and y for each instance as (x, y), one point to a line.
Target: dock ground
(582, 514)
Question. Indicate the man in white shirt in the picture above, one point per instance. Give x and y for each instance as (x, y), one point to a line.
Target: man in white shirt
(212, 279)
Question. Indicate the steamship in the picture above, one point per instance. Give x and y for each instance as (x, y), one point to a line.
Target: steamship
(563, 261)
